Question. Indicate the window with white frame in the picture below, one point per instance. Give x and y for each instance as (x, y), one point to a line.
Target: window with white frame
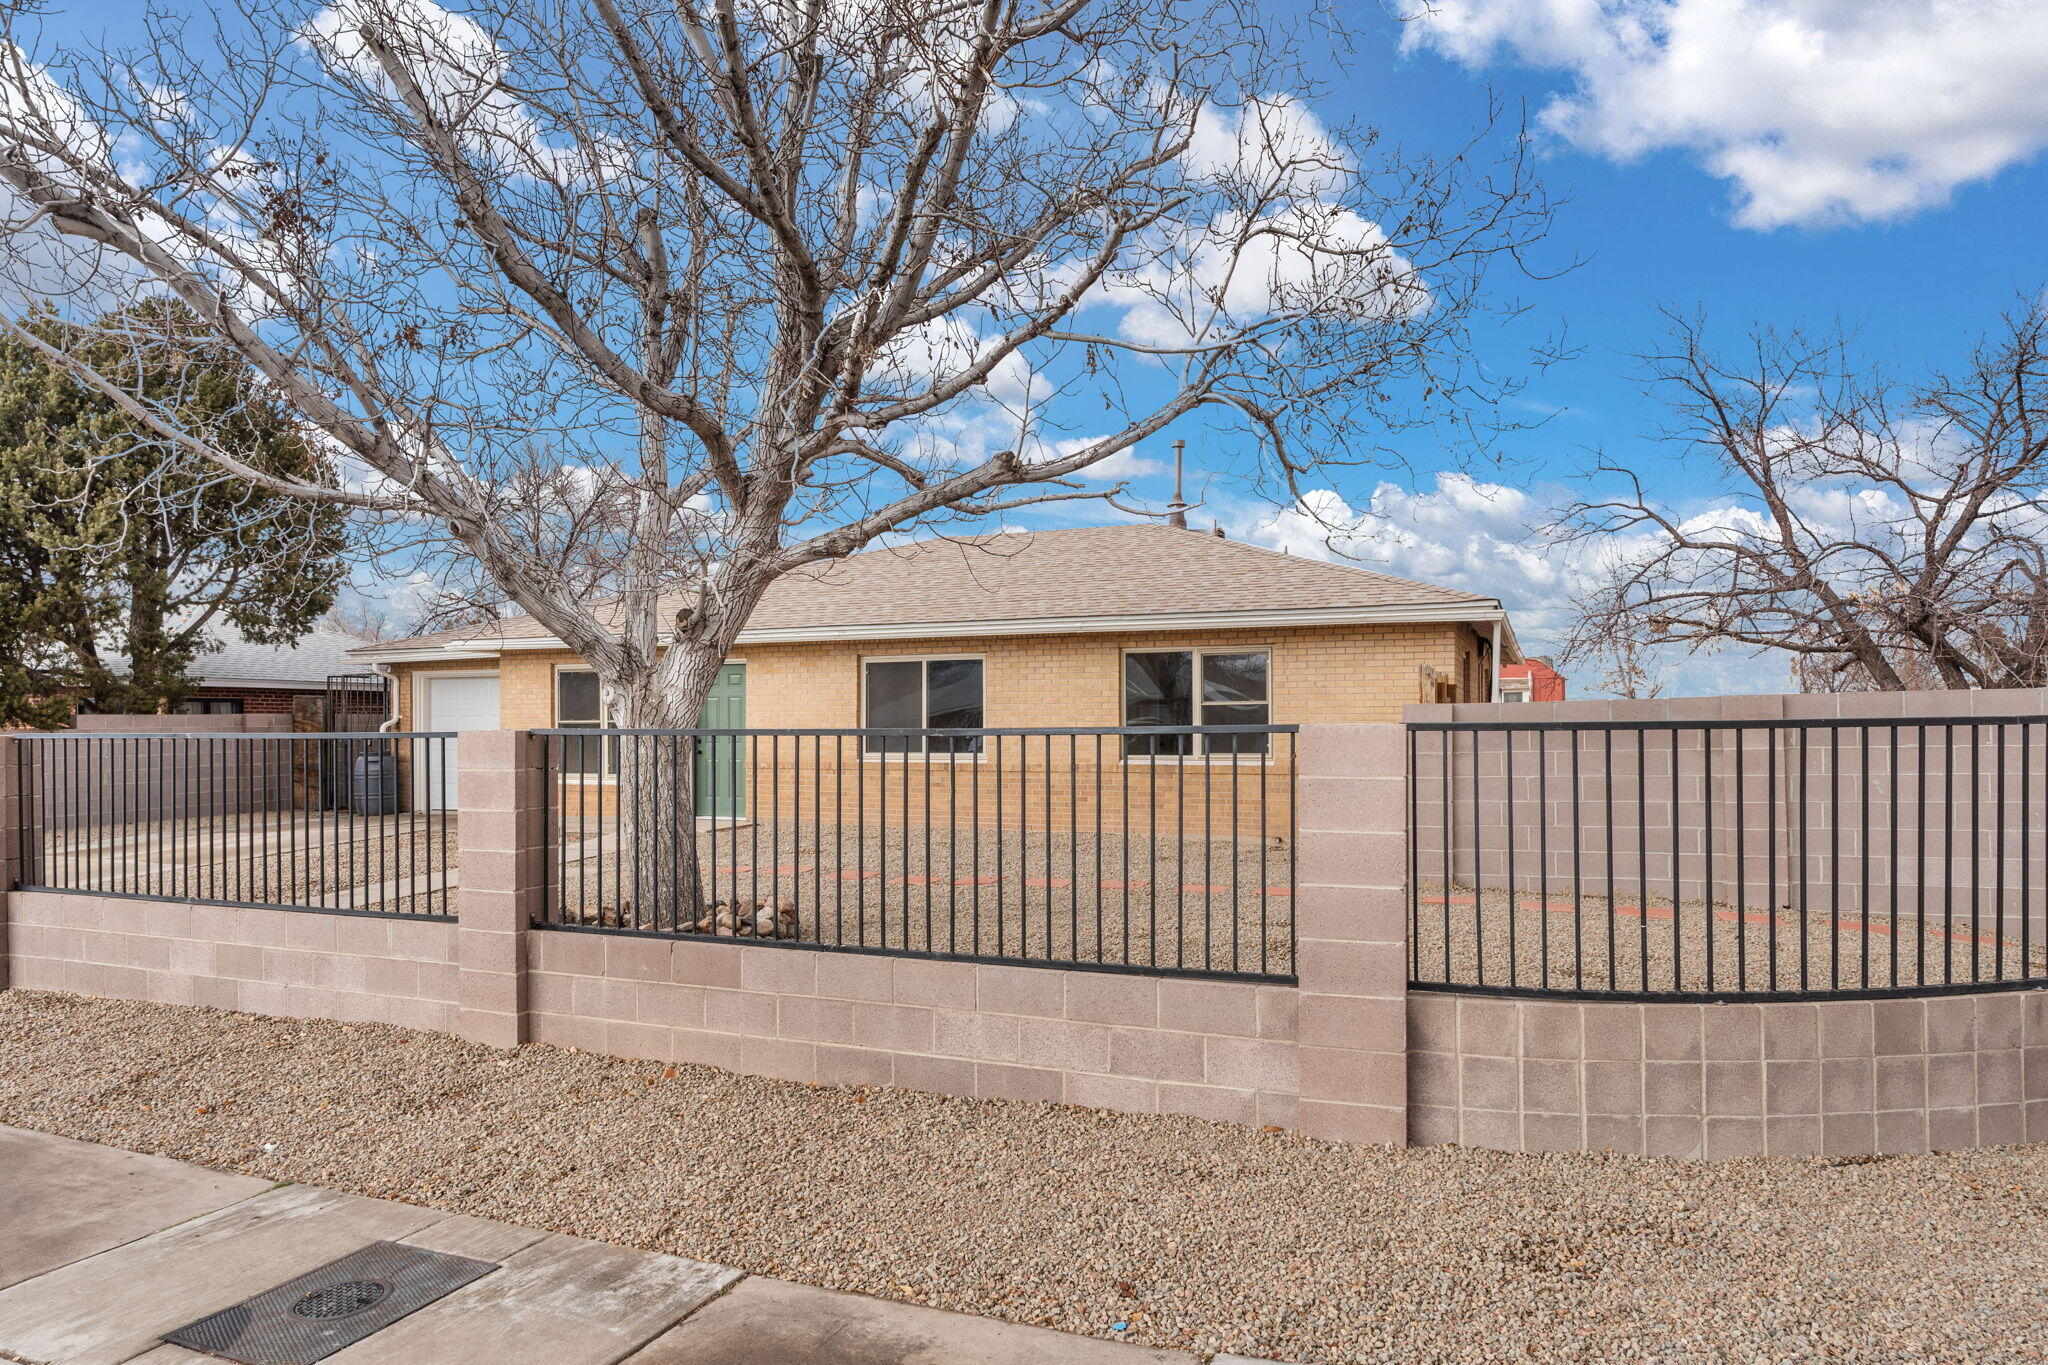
(1168, 687)
(922, 694)
(579, 705)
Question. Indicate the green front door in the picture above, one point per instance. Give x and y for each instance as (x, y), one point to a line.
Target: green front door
(721, 781)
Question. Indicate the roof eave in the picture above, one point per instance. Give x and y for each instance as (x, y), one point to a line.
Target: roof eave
(260, 684)
(1479, 610)
(402, 653)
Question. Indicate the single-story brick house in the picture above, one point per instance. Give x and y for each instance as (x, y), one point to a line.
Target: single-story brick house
(1092, 626)
(241, 678)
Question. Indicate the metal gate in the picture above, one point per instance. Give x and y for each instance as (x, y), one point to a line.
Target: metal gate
(353, 703)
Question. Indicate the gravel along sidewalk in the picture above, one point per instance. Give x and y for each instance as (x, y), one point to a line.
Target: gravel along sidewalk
(1188, 1234)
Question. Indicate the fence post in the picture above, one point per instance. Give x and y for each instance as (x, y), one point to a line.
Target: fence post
(1351, 932)
(500, 829)
(12, 755)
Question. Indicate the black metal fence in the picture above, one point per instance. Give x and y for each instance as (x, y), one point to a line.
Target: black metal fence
(1160, 849)
(349, 822)
(1725, 859)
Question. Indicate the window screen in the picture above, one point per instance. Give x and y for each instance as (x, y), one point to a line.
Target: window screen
(580, 706)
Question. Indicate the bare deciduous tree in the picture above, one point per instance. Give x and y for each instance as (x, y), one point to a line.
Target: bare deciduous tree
(1604, 637)
(1882, 535)
(701, 293)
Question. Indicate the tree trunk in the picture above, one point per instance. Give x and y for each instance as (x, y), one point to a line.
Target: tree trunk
(659, 876)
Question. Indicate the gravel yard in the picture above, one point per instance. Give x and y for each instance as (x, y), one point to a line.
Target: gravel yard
(1565, 943)
(1192, 1234)
(331, 858)
(1213, 904)
(1221, 904)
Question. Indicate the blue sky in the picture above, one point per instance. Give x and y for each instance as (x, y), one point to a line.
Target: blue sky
(1873, 164)
(1915, 266)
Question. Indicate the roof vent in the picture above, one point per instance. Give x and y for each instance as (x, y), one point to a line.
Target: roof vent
(1177, 510)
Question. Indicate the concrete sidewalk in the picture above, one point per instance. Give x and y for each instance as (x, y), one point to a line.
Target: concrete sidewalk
(102, 1251)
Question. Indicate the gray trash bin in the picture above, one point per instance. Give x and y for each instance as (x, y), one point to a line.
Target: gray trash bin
(374, 790)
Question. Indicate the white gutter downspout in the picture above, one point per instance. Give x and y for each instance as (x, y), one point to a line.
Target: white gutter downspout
(1496, 662)
(384, 671)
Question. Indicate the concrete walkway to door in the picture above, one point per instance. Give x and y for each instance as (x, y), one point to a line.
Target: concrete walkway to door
(103, 1251)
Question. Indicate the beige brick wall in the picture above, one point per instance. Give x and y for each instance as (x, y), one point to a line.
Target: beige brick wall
(300, 964)
(1324, 674)
(1835, 1078)
(1320, 674)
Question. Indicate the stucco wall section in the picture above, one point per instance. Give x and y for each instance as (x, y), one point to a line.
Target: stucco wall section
(376, 969)
(1836, 1078)
(1213, 1049)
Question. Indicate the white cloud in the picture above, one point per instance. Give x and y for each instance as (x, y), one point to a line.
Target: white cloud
(1816, 111)
(36, 113)
(1485, 538)
(1462, 533)
(1125, 464)
(459, 68)
(34, 109)
(938, 351)
(1274, 144)
(1232, 272)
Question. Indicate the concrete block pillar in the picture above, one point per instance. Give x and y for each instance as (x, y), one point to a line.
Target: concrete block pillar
(13, 753)
(500, 788)
(1351, 932)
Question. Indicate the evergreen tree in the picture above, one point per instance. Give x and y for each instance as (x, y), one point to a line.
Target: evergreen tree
(123, 555)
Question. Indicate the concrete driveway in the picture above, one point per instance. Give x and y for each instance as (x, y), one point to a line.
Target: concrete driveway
(103, 1251)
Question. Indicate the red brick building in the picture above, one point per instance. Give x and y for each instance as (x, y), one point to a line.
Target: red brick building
(1533, 680)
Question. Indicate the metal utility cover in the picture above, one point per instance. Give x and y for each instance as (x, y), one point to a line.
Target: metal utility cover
(313, 1316)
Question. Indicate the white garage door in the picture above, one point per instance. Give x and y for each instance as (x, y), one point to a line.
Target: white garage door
(458, 703)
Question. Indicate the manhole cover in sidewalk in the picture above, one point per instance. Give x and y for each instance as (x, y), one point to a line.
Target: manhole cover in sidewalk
(315, 1315)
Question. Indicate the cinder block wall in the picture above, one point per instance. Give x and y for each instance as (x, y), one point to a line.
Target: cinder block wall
(1348, 1053)
(301, 964)
(1837, 1078)
(1324, 1056)
(1826, 808)
(157, 781)
(1213, 1049)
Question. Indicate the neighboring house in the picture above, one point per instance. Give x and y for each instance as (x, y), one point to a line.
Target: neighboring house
(245, 679)
(1096, 626)
(241, 678)
(1531, 680)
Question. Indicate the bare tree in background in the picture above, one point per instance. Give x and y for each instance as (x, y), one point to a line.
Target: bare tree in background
(1881, 535)
(1600, 637)
(704, 293)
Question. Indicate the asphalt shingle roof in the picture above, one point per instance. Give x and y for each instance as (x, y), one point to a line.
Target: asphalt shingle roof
(314, 658)
(1083, 572)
